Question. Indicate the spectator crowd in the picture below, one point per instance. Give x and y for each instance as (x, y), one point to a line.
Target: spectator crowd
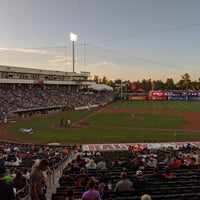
(132, 174)
(19, 161)
(98, 174)
(37, 102)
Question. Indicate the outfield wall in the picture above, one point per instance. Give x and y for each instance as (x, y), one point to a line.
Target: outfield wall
(163, 96)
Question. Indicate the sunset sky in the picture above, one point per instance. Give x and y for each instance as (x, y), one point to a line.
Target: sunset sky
(126, 39)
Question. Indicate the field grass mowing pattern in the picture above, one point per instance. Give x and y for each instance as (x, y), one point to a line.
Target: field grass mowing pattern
(120, 131)
(192, 106)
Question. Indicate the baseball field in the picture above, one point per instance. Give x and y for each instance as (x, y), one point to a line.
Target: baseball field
(119, 122)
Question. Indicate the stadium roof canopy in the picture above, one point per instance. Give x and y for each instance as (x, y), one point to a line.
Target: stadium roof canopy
(99, 87)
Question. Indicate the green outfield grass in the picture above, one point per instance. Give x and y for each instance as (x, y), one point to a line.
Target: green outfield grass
(193, 106)
(115, 127)
(141, 120)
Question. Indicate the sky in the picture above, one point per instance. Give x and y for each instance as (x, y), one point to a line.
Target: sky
(119, 39)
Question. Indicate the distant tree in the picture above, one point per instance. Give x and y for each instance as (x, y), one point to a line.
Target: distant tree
(111, 83)
(146, 85)
(153, 85)
(198, 84)
(117, 81)
(158, 85)
(149, 85)
(169, 84)
(104, 80)
(180, 85)
(96, 79)
(186, 80)
(195, 85)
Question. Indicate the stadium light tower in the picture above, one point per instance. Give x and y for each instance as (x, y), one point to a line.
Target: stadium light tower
(73, 38)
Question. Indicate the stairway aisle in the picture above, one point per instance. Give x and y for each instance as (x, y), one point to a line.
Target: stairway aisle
(53, 181)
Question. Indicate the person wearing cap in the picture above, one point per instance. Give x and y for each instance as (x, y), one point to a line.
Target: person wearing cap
(139, 182)
(6, 190)
(38, 180)
(124, 184)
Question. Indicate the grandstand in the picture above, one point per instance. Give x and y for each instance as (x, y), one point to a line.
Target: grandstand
(19, 77)
(22, 89)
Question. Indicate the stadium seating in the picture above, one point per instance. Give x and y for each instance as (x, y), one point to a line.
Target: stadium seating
(184, 186)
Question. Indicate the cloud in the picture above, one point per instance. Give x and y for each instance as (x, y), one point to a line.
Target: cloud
(34, 51)
(4, 49)
(60, 60)
(108, 64)
(37, 51)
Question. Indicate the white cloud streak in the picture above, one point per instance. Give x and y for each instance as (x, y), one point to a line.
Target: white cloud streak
(107, 64)
(60, 60)
(22, 50)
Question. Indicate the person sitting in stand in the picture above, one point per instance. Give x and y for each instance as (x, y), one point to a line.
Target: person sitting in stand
(124, 184)
(168, 175)
(156, 175)
(151, 163)
(139, 148)
(82, 178)
(91, 193)
(8, 177)
(101, 164)
(174, 164)
(91, 164)
(139, 182)
(66, 178)
(19, 181)
(6, 189)
(105, 187)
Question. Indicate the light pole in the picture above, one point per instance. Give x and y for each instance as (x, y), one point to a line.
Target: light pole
(73, 38)
(121, 89)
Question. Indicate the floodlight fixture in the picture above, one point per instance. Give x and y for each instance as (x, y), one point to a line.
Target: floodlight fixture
(73, 37)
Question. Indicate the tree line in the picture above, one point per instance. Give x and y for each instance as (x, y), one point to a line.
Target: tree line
(185, 83)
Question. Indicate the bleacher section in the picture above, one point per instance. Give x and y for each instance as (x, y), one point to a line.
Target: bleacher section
(185, 185)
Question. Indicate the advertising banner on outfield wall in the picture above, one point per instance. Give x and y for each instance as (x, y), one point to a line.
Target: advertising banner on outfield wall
(158, 94)
(194, 98)
(159, 98)
(177, 98)
(137, 98)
